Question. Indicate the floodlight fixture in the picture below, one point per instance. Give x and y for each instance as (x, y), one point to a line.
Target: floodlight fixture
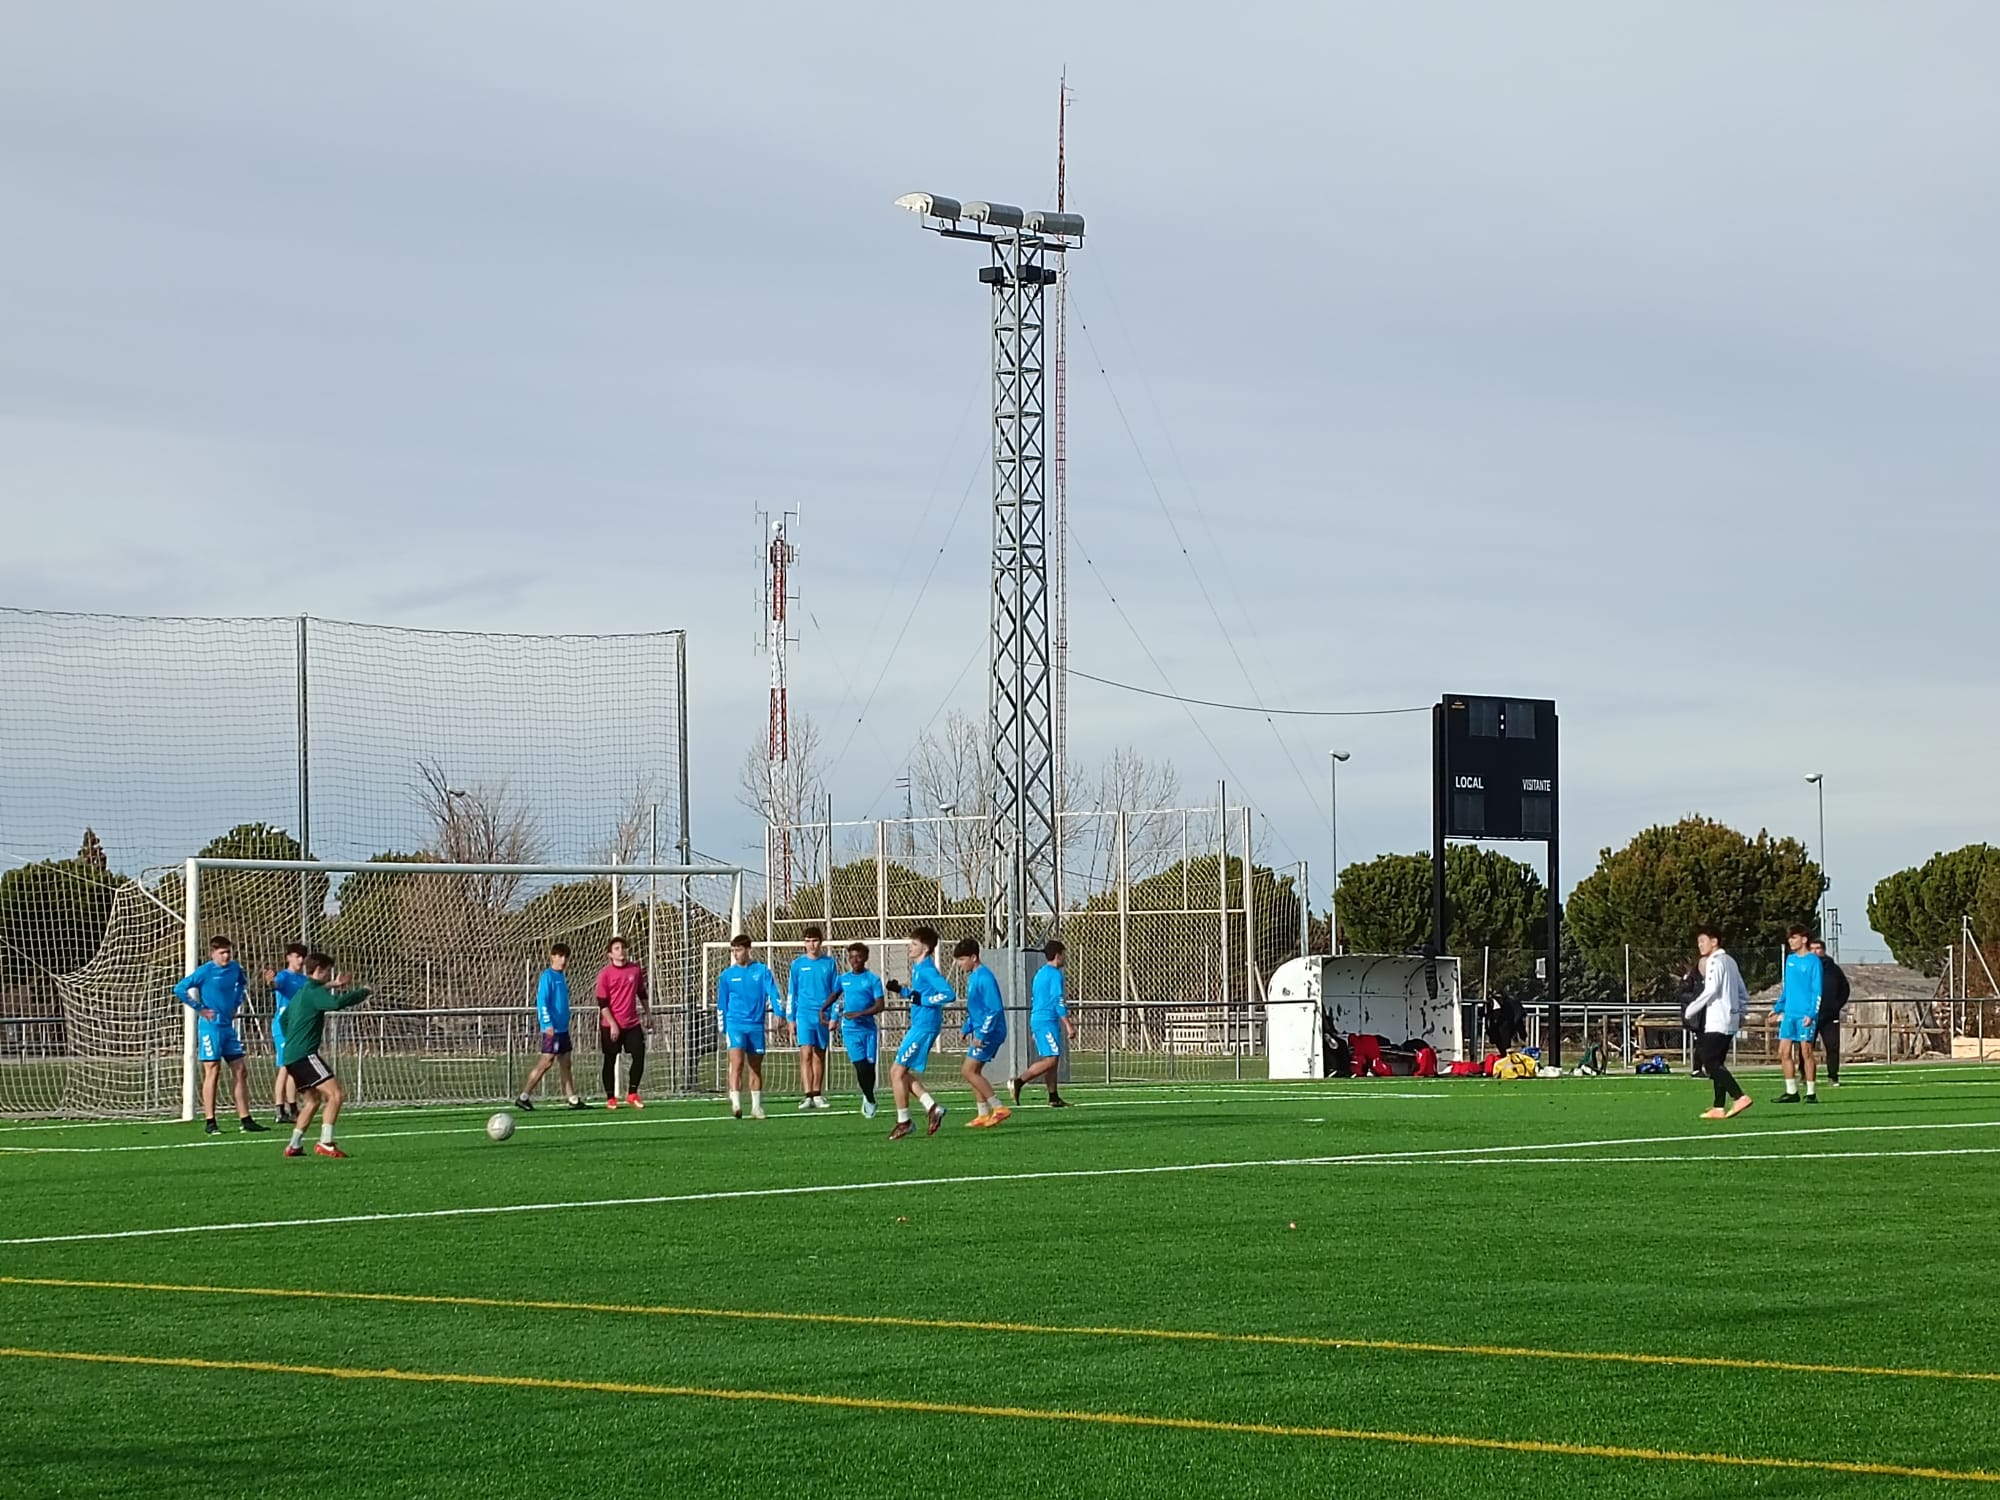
(931, 206)
(948, 213)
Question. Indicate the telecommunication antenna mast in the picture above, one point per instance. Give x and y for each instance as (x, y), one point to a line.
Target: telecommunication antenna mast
(1021, 246)
(774, 536)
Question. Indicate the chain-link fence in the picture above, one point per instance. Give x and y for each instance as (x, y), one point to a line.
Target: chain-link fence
(1635, 1006)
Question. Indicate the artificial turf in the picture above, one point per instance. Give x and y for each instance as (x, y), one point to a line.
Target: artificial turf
(1864, 1232)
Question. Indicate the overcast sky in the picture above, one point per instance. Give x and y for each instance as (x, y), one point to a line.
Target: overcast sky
(1643, 356)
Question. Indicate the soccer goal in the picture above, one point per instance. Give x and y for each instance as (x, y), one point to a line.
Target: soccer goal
(452, 954)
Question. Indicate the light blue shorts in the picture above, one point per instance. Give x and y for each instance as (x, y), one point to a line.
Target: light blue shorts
(813, 1033)
(1797, 1029)
(1048, 1039)
(861, 1042)
(746, 1039)
(986, 1045)
(915, 1053)
(218, 1044)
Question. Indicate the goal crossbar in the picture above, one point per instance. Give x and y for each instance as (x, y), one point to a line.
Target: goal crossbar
(616, 874)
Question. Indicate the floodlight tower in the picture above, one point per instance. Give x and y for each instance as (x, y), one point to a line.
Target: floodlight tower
(778, 594)
(1026, 901)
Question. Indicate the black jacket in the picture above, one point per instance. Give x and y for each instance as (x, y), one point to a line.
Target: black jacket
(1833, 989)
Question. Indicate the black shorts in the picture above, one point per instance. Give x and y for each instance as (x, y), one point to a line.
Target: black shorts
(310, 1071)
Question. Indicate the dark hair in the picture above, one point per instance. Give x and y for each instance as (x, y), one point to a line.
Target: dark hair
(317, 961)
(1815, 941)
(298, 948)
(861, 948)
(1053, 948)
(926, 935)
(741, 940)
(558, 950)
(219, 941)
(616, 942)
(966, 948)
(814, 930)
(1795, 930)
(1713, 934)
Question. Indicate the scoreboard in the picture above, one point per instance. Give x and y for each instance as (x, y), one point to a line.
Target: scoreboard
(1495, 776)
(1497, 767)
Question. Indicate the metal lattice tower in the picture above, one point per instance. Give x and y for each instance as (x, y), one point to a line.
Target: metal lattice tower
(1026, 901)
(778, 594)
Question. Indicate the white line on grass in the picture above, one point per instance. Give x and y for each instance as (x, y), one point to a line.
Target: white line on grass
(476, 1126)
(1442, 1155)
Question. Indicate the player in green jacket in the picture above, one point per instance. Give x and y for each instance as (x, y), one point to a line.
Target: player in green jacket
(305, 1024)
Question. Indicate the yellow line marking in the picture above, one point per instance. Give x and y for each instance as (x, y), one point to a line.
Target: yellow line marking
(1023, 1414)
(1048, 1330)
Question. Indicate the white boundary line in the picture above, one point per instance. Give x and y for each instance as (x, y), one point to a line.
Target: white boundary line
(1454, 1155)
(476, 1125)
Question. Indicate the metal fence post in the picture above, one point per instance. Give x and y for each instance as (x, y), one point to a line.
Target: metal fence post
(1124, 932)
(882, 879)
(1628, 1005)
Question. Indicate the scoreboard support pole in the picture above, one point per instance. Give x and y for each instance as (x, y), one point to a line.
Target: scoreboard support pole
(1553, 1042)
(1440, 796)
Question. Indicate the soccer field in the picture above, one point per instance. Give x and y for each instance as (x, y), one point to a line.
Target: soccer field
(1370, 1287)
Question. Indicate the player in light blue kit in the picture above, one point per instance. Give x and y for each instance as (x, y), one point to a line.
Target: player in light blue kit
(929, 994)
(215, 992)
(1048, 1019)
(808, 990)
(745, 993)
(858, 997)
(284, 983)
(1797, 1012)
(985, 1030)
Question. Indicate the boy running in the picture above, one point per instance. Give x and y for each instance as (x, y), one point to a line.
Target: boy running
(1049, 1021)
(858, 995)
(552, 1015)
(929, 994)
(1797, 1012)
(215, 993)
(986, 1025)
(305, 1023)
(284, 983)
(621, 994)
(808, 992)
(745, 993)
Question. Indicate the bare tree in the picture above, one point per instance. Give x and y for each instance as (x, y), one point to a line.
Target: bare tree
(1129, 783)
(951, 778)
(799, 801)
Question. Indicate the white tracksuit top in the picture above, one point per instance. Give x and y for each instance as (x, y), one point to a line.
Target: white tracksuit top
(1723, 1001)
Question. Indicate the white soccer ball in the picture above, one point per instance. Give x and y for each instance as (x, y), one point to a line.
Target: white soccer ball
(500, 1126)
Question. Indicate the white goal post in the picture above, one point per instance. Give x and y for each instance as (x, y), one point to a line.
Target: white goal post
(614, 876)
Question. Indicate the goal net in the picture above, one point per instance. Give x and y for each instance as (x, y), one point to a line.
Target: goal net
(451, 953)
(127, 744)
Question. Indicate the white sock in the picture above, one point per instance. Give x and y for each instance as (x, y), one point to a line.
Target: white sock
(927, 1102)
(985, 1107)
(298, 1139)
(736, 1098)
(756, 1098)
(1791, 1085)
(902, 1117)
(1812, 1085)
(326, 1132)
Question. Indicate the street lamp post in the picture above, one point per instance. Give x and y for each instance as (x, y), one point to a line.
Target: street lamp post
(1817, 780)
(1334, 758)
